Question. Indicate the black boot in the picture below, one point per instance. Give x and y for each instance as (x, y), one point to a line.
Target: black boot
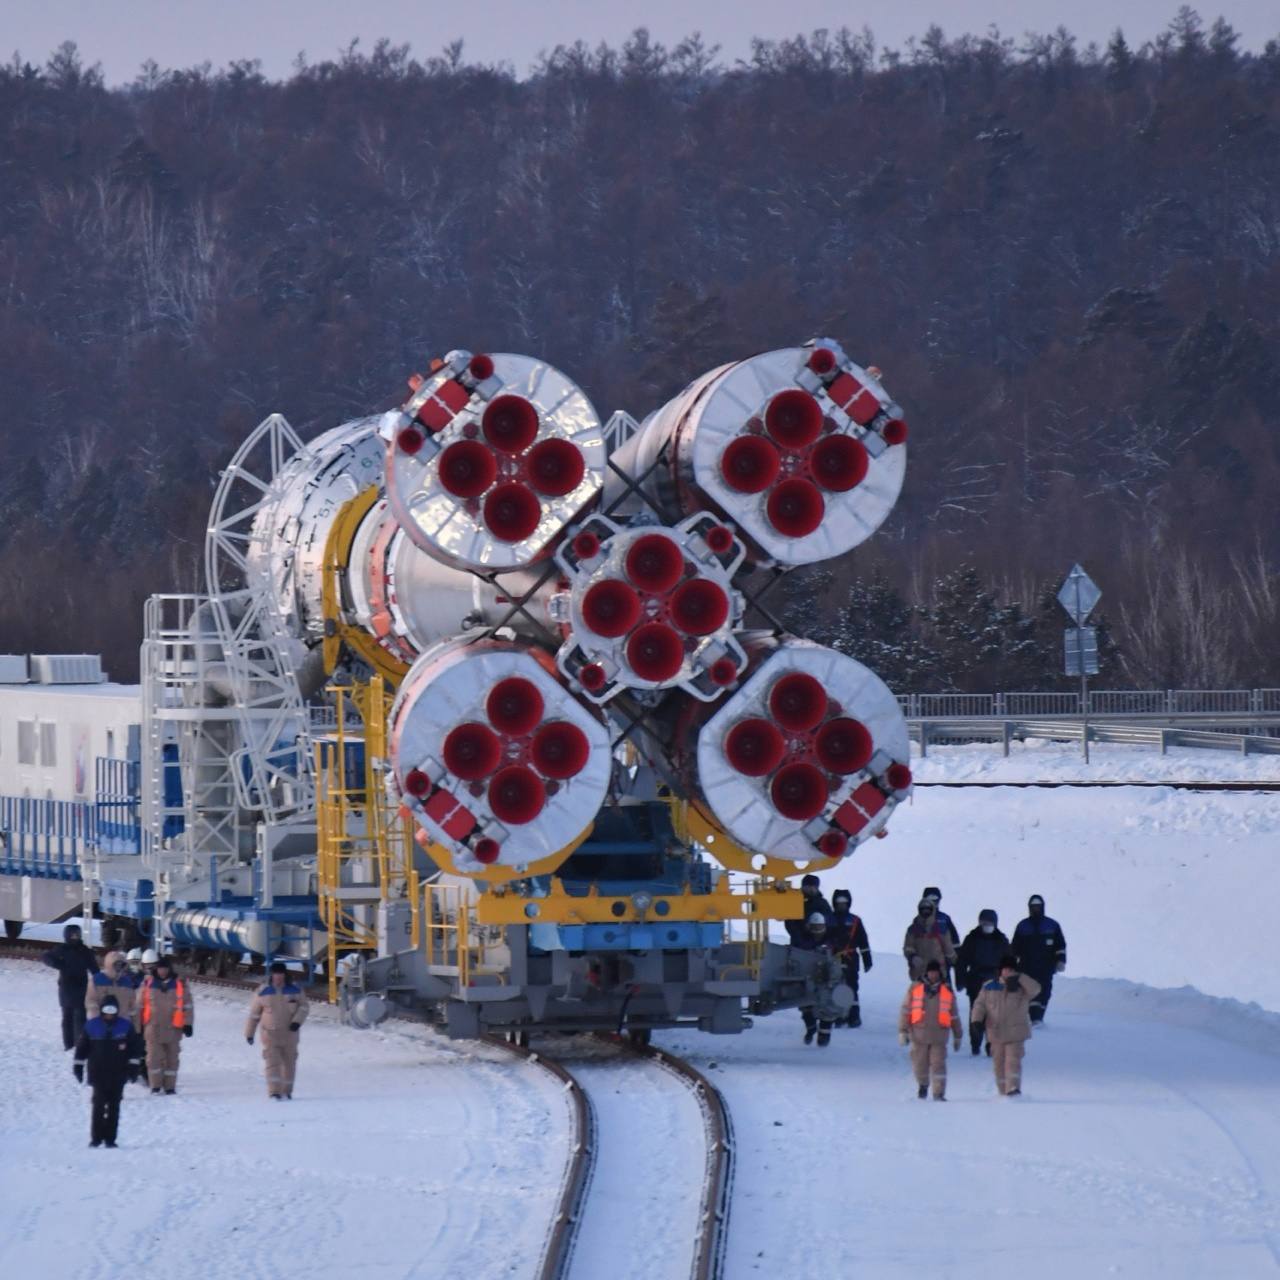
(922, 1091)
(824, 1039)
(855, 1017)
(809, 1033)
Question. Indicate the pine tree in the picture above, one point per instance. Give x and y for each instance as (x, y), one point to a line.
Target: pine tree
(1120, 61)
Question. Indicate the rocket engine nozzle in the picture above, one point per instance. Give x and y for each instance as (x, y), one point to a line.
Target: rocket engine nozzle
(489, 458)
(498, 762)
(807, 758)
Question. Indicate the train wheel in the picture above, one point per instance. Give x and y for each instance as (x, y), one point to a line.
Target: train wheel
(13, 929)
(639, 1038)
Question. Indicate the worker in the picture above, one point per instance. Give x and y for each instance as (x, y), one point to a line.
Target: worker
(849, 942)
(814, 938)
(927, 940)
(112, 1051)
(281, 1009)
(75, 964)
(149, 958)
(977, 962)
(1004, 1009)
(113, 979)
(925, 1022)
(1041, 951)
(811, 888)
(931, 893)
(164, 1019)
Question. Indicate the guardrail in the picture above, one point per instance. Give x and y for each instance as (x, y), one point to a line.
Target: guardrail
(1149, 702)
(927, 731)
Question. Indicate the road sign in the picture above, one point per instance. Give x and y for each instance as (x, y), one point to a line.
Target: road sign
(1078, 595)
(1081, 647)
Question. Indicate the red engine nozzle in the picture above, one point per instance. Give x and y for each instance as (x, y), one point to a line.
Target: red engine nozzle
(514, 706)
(799, 792)
(512, 511)
(750, 464)
(411, 440)
(832, 844)
(898, 776)
(840, 463)
(586, 545)
(486, 850)
(724, 671)
(798, 702)
(793, 418)
(699, 607)
(654, 563)
(467, 468)
(556, 467)
(655, 652)
(472, 751)
(611, 608)
(795, 508)
(516, 795)
(720, 539)
(510, 423)
(754, 747)
(895, 431)
(416, 783)
(843, 745)
(822, 361)
(480, 367)
(560, 750)
(592, 677)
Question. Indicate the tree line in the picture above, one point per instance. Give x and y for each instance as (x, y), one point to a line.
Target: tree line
(1065, 258)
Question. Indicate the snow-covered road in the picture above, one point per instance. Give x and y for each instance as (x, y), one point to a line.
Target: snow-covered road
(1147, 1144)
(400, 1156)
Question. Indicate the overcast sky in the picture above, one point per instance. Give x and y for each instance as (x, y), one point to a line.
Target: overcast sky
(122, 34)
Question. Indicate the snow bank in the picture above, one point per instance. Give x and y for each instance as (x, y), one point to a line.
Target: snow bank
(1163, 887)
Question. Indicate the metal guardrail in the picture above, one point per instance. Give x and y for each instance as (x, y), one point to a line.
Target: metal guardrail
(1150, 702)
(1162, 736)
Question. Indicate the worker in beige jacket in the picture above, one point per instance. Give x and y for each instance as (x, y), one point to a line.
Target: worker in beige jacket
(280, 1008)
(927, 939)
(1003, 1006)
(113, 979)
(927, 1018)
(164, 1017)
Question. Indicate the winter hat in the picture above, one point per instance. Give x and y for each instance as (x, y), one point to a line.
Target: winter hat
(930, 892)
(810, 881)
(164, 962)
(842, 895)
(110, 1003)
(1008, 961)
(279, 966)
(987, 916)
(933, 967)
(70, 931)
(1035, 901)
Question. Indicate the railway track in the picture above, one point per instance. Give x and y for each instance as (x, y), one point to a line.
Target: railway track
(556, 1262)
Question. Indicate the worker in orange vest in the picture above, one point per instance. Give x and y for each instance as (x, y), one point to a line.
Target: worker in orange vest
(164, 1017)
(928, 1017)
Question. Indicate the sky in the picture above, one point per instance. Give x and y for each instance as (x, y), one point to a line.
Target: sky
(122, 34)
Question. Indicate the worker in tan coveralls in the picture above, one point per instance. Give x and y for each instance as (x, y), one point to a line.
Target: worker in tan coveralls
(281, 1009)
(113, 979)
(928, 1017)
(927, 939)
(164, 1017)
(1003, 1006)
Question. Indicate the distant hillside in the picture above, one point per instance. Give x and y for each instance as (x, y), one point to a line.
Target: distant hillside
(1066, 260)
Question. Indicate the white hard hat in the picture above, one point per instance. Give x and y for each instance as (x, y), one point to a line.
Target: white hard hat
(135, 954)
(149, 956)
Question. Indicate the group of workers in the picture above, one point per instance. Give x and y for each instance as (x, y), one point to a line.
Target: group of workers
(127, 1019)
(1009, 982)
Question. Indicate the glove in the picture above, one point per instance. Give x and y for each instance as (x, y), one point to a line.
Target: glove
(294, 1026)
(248, 1039)
(903, 1038)
(78, 1070)
(188, 1032)
(1062, 964)
(866, 963)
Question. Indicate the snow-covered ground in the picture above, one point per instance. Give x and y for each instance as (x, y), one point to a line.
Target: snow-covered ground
(1147, 1143)
(401, 1155)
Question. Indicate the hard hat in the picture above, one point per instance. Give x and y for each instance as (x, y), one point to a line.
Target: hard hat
(817, 919)
(149, 956)
(135, 954)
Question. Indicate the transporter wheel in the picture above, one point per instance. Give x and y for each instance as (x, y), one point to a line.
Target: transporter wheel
(110, 934)
(13, 929)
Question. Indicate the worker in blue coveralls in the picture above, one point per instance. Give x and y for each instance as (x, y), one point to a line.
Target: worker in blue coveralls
(1041, 951)
(112, 1051)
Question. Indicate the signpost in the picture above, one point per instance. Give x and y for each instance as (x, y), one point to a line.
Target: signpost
(1079, 595)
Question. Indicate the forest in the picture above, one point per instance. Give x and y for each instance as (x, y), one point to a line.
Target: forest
(1065, 258)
